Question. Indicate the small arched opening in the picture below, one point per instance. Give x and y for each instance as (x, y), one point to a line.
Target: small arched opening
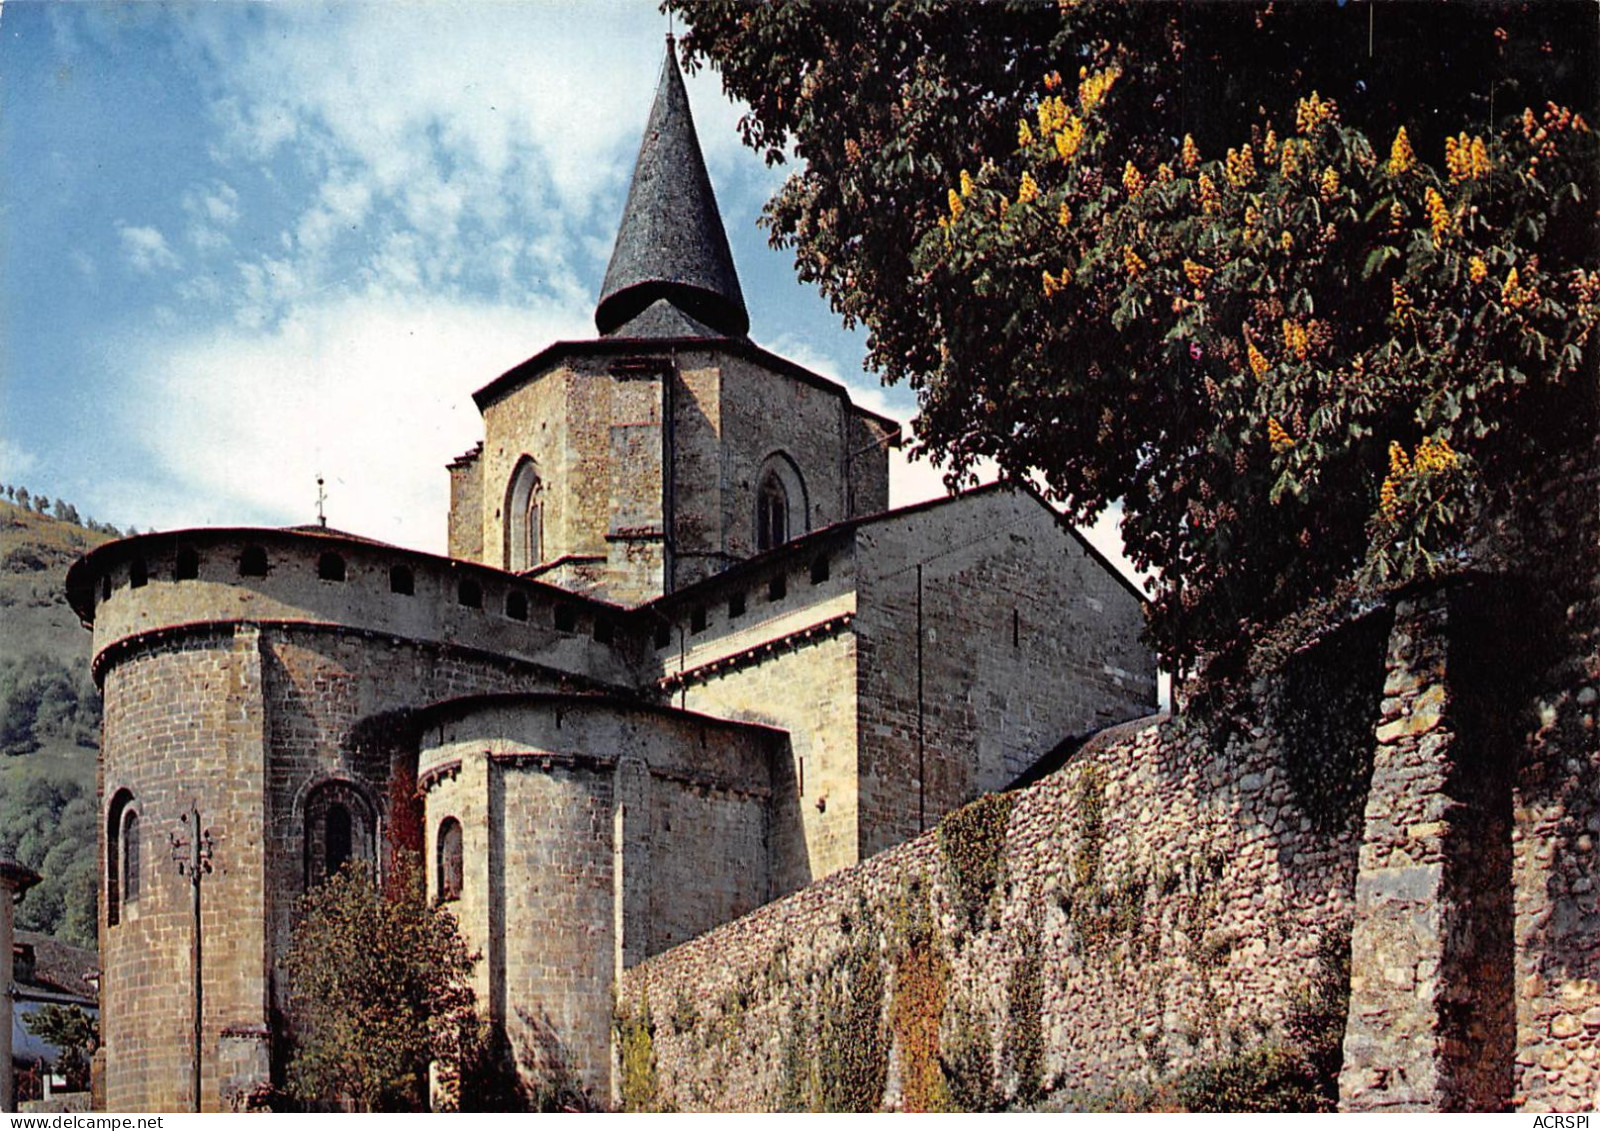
(782, 512)
(450, 865)
(524, 518)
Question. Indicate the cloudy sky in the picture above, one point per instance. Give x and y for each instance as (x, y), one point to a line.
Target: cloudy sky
(242, 245)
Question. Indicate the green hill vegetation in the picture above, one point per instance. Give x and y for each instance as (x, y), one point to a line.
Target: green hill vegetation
(49, 720)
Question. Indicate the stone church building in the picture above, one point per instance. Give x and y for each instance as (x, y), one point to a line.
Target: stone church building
(680, 660)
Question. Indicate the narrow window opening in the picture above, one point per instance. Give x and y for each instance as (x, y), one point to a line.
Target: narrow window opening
(130, 857)
(138, 574)
(517, 605)
(451, 867)
(772, 514)
(402, 581)
(117, 845)
(604, 630)
(819, 569)
(1016, 629)
(105, 588)
(187, 565)
(736, 605)
(566, 617)
(469, 594)
(330, 567)
(252, 562)
(338, 841)
(778, 588)
(697, 619)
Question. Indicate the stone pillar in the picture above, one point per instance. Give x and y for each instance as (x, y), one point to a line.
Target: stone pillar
(1430, 1024)
(14, 880)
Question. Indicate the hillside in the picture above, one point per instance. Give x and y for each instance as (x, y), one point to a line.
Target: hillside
(49, 723)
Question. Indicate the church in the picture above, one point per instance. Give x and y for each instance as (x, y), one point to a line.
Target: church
(680, 660)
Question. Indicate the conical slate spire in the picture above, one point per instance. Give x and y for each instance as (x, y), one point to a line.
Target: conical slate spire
(671, 273)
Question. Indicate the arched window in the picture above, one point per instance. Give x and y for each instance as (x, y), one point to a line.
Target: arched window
(450, 863)
(781, 508)
(339, 828)
(524, 518)
(122, 856)
(772, 514)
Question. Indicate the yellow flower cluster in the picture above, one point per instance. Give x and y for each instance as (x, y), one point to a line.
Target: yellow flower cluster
(1277, 436)
(1196, 273)
(1164, 174)
(1477, 269)
(1513, 293)
(1258, 360)
(1251, 218)
(1467, 158)
(1397, 215)
(1092, 89)
(1210, 200)
(1131, 261)
(1052, 81)
(1401, 302)
(1401, 157)
(1240, 166)
(1286, 241)
(1438, 213)
(1434, 455)
(1330, 183)
(1310, 113)
(1132, 180)
(1064, 215)
(1295, 339)
(1069, 139)
(1289, 162)
(1053, 283)
(1028, 190)
(957, 205)
(1024, 134)
(1269, 147)
(1190, 153)
(1053, 114)
(852, 149)
(966, 183)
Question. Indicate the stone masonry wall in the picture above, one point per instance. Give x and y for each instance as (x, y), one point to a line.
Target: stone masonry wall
(183, 725)
(1166, 901)
(1026, 639)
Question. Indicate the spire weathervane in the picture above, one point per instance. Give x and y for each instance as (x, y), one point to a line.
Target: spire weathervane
(322, 497)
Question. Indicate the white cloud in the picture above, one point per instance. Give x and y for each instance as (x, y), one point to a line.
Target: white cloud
(372, 392)
(146, 249)
(15, 460)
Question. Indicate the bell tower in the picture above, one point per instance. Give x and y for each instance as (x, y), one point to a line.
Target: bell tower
(670, 446)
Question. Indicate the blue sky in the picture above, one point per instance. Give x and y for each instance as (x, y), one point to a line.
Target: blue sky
(245, 244)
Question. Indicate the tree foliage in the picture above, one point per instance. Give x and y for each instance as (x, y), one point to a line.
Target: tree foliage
(47, 823)
(379, 984)
(75, 1033)
(1303, 285)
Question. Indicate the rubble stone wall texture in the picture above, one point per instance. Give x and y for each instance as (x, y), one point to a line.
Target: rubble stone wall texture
(1163, 902)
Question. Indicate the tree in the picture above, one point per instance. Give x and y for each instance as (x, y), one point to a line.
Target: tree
(379, 986)
(75, 1033)
(1295, 304)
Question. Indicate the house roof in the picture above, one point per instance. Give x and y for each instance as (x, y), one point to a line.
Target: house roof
(671, 246)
